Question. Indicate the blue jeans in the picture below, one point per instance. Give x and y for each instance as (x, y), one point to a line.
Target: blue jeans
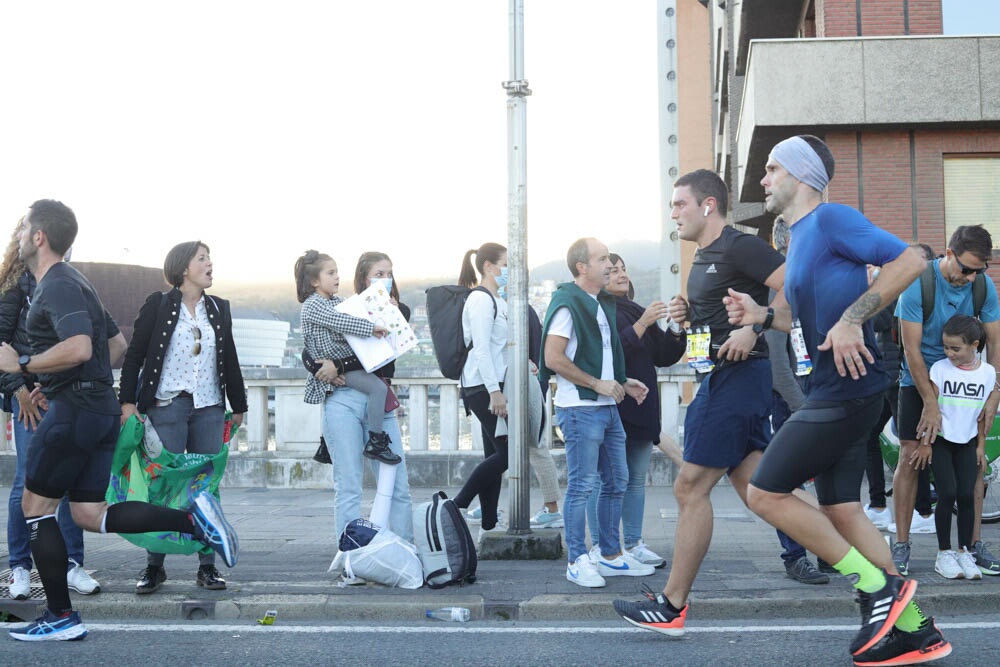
(345, 427)
(17, 529)
(634, 501)
(183, 428)
(595, 444)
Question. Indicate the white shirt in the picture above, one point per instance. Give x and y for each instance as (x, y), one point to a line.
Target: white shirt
(183, 370)
(487, 360)
(561, 325)
(961, 397)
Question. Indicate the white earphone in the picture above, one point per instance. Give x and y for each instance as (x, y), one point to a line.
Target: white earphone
(706, 210)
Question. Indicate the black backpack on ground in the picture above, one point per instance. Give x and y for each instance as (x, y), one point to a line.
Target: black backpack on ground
(928, 296)
(444, 316)
(444, 544)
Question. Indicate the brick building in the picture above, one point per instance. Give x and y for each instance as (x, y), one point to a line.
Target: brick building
(912, 116)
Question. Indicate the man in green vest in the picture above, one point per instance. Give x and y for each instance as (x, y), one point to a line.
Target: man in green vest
(582, 349)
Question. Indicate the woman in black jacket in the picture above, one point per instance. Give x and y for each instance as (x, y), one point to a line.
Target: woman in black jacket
(646, 346)
(182, 341)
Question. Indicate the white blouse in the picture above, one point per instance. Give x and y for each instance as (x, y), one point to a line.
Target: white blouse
(183, 370)
(487, 360)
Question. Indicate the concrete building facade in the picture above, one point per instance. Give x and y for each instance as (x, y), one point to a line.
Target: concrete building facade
(912, 116)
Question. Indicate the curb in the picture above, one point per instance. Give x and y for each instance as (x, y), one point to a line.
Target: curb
(405, 607)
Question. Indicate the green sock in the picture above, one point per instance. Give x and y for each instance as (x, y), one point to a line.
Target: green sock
(865, 576)
(912, 618)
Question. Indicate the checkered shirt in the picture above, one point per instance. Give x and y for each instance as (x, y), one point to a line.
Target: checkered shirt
(323, 329)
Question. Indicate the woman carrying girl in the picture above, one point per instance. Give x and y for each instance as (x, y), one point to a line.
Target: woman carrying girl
(323, 328)
(345, 420)
(962, 381)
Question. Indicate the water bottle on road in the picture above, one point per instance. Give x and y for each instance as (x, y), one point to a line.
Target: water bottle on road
(460, 614)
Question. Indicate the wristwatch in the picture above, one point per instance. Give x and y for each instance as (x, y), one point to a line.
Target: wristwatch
(23, 361)
(761, 328)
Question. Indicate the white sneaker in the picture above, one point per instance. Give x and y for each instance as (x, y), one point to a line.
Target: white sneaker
(81, 582)
(918, 525)
(923, 525)
(583, 573)
(881, 518)
(947, 565)
(968, 564)
(344, 581)
(625, 565)
(646, 556)
(546, 519)
(19, 584)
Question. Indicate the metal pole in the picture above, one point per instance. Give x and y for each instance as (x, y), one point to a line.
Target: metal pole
(517, 287)
(670, 251)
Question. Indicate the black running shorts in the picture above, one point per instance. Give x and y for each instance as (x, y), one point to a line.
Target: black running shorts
(71, 451)
(825, 440)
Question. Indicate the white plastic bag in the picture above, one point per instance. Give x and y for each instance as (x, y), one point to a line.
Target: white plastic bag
(388, 559)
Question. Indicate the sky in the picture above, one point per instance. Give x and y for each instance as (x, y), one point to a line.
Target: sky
(266, 128)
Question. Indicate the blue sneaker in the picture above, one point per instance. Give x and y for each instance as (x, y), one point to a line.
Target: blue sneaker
(49, 627)
(215, 530)
(546, 519)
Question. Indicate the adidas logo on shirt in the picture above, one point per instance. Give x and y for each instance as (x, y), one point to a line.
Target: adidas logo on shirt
(711, 269)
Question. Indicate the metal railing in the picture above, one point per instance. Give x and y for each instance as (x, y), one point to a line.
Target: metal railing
(431, 415)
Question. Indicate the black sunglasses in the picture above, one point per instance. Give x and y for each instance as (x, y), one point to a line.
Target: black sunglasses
(197, 340)
(966, 271)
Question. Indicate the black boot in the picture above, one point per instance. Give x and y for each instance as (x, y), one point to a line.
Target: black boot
(150, 580)
(377, 448)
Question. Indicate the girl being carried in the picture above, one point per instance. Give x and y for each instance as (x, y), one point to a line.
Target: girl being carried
(323, 329)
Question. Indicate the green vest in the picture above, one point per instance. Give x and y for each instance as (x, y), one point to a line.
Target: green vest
(589, 356)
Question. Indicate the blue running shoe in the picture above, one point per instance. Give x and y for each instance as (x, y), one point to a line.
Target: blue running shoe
(215, 530)
(49, 627)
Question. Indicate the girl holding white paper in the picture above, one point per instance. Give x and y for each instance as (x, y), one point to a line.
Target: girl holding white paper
(323, 328)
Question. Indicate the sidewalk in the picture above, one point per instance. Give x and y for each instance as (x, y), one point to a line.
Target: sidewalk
(287, 542)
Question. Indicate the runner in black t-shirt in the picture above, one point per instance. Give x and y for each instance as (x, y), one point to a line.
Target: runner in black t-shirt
(726, 426)
(72, 447)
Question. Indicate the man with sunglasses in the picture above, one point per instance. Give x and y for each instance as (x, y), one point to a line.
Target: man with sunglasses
(965, 260)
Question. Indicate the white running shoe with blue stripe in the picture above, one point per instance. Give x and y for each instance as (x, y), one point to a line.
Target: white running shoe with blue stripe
(215, 530)
(625, 565)
(49, 627)
(583, 573)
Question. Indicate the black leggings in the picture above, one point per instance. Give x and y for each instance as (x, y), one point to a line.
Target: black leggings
(875, 466)
(487, 478)
(955, 469)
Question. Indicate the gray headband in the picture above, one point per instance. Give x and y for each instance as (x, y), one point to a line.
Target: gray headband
(802, 162)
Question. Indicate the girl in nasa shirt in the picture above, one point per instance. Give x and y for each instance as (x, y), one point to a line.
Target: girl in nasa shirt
(962, 381)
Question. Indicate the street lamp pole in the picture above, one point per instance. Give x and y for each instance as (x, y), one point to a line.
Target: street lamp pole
(517, 287)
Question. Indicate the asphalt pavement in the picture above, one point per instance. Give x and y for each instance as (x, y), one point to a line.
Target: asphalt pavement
(287, 543)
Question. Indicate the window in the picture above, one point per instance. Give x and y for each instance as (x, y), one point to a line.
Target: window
(972, 194)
